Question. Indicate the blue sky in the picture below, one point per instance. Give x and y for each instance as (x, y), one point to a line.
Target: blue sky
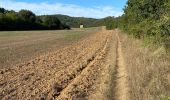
(78, 8)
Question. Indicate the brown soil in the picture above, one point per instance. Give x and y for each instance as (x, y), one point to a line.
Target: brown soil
(21, 46)
(83, 70)
(121, 83)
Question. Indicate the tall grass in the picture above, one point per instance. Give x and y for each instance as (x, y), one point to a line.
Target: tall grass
(148, 70)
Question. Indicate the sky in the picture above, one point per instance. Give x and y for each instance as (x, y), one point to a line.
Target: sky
(76, 8)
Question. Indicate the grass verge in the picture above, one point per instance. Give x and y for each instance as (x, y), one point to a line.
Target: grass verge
(148, 70)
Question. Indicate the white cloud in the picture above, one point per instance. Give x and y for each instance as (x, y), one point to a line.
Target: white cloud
(58, 8)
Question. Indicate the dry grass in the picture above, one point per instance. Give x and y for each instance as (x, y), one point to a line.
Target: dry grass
(148, 69)
(20, 46)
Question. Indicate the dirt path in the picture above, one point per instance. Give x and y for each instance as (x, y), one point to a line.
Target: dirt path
(121, 82)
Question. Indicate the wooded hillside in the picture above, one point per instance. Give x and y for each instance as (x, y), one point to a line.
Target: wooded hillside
(27, 20)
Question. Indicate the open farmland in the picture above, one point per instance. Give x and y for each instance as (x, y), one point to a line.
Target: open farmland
(81, 64)
(20, 46)
(69, 72)
(84, 50)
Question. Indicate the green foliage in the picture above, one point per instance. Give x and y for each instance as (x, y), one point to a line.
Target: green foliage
(27, 15)
(87, 22)
(147, 19)
(109, 22)
(76, 21)
(2, 10)
(52, 22)
(27, 20)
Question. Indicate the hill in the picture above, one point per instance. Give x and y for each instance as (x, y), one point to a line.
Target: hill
(27, 20)
(76, 21)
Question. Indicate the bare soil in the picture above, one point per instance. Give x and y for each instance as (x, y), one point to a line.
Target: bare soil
(121, 82)
(70, 73)
(105, 65)
(22, 46)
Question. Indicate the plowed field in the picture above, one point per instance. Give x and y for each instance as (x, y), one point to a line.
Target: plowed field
(82, 70)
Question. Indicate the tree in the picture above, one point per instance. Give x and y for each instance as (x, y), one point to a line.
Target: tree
(27, 16)
(147, 19)
(2, 10)
(27, 20)
(52, 22)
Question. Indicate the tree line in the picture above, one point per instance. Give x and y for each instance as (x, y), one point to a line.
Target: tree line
(145, 19)
(76, 21)
(87, 22)
(27, 20)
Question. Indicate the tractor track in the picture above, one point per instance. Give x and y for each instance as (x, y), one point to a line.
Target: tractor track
(78, 87)
(121, 89)
(68, 79)
(52, 75)
(92, 69)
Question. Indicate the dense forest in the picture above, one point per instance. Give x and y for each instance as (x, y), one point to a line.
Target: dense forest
(145, 19)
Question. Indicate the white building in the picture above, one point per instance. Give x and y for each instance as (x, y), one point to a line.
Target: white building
(81, 26)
